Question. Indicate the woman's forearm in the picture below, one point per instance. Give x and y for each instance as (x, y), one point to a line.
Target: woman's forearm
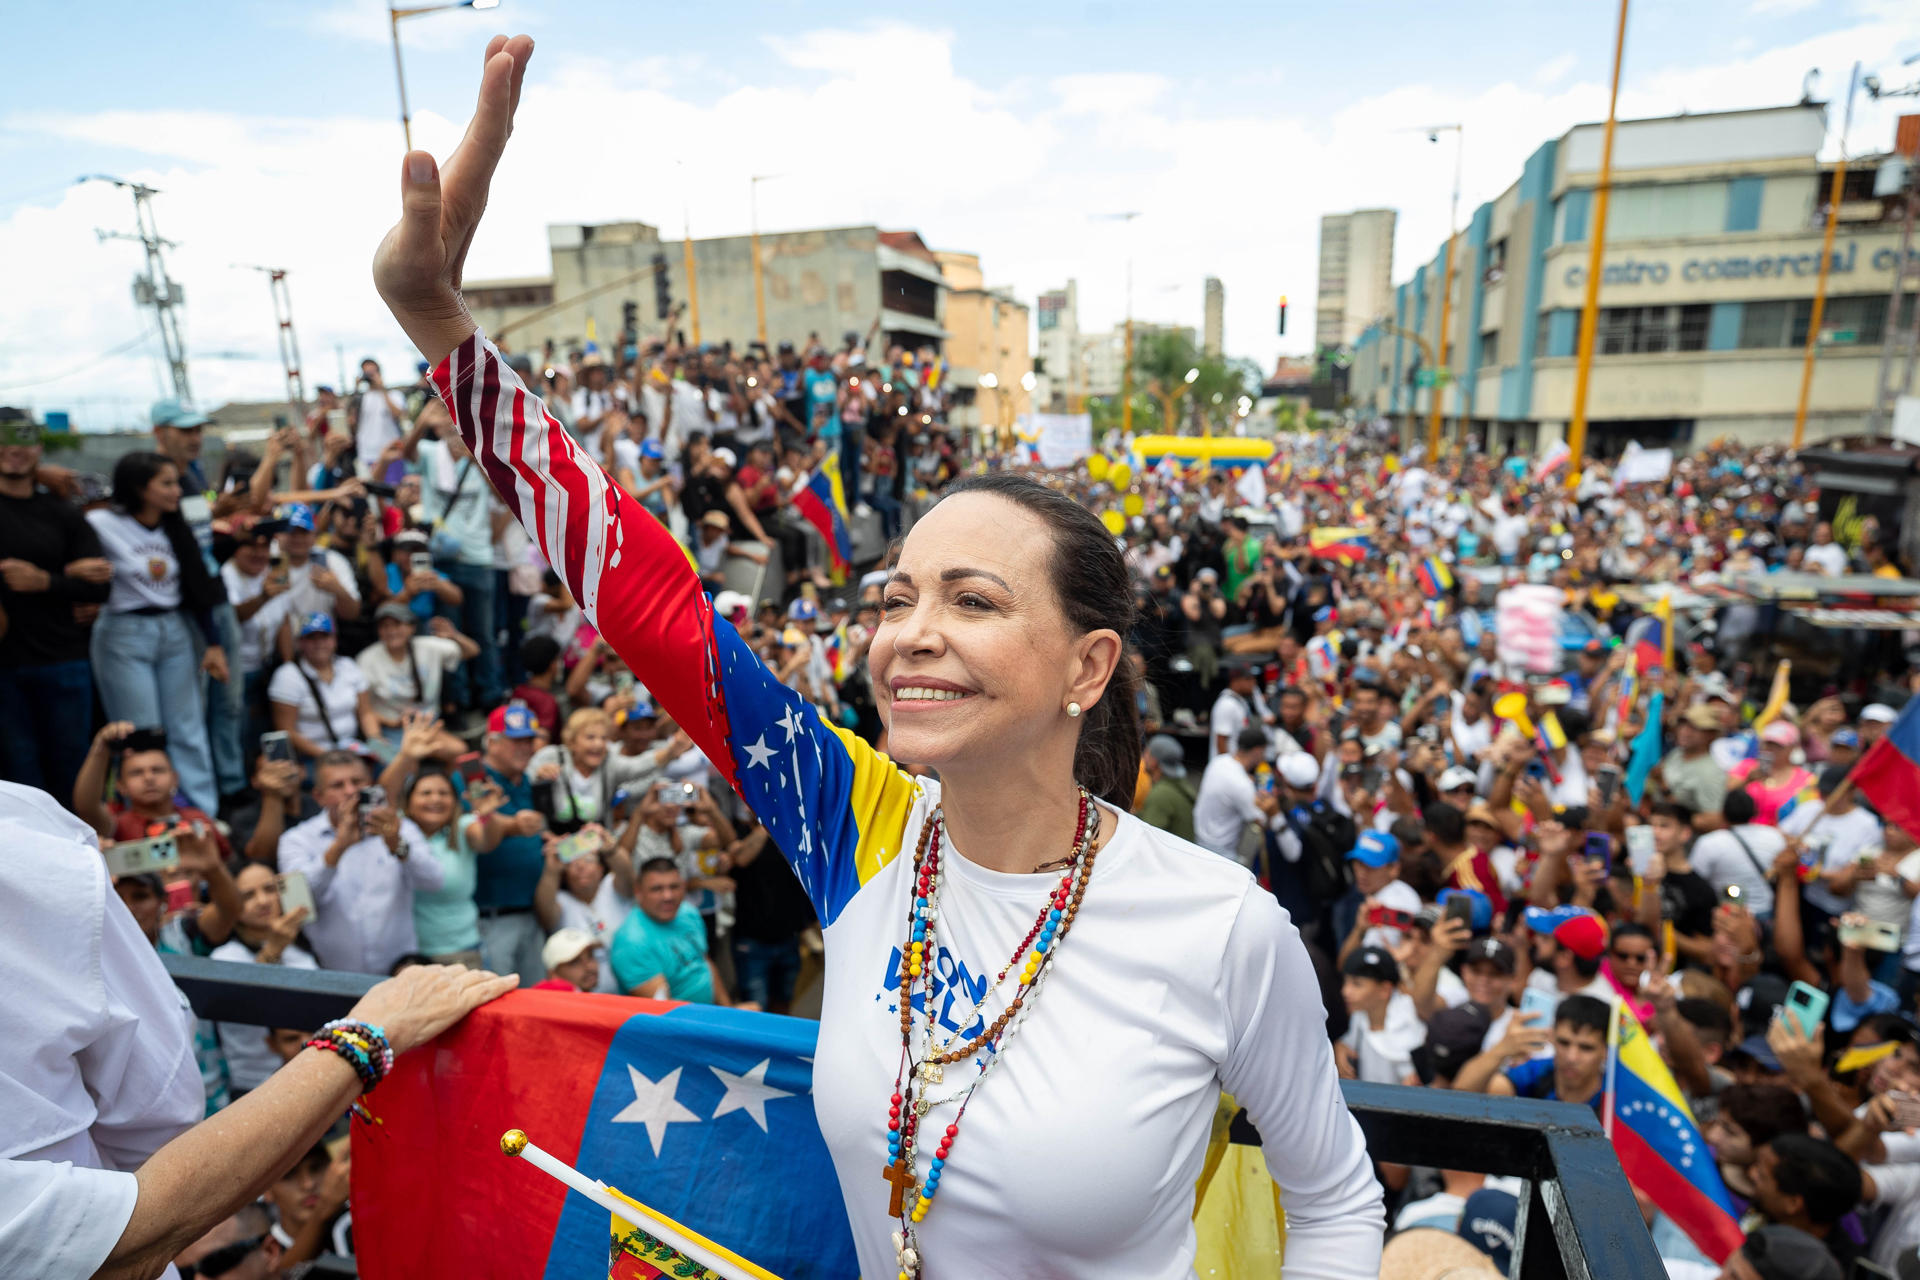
(229, 1159)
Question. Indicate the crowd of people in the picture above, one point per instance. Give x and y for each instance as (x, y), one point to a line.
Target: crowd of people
(329, 709)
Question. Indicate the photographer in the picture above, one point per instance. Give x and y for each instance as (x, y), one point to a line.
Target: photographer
(1205, 610)
(363, 862)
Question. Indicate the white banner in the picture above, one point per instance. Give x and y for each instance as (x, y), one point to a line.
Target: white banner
(1058, 439)
(1643, 466)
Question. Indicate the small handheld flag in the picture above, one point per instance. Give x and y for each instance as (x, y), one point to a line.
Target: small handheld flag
(1888, 775)
(1435, 578)
(638, 1232)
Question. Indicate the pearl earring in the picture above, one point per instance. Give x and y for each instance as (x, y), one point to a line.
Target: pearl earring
(1073, 708)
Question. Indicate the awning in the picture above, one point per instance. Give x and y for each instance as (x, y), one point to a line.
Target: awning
(892, 321)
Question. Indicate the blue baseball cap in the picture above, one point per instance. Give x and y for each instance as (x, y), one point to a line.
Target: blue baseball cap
(1323, 613)
(1846, 738)
(640, 710)
(1376, 849)
(1487, 1221)
(316, 624)
(512, 721)
(173, 412)
(803, 610)
(299, 516)
(651, 449)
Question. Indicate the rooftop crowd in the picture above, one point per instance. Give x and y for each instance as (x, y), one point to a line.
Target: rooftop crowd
(327, 708)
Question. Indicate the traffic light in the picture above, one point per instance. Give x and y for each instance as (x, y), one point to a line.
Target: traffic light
(629, 317)
(662, 287)
(1283, 315)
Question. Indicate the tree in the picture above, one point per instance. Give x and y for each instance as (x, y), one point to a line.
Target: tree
(1161, 364)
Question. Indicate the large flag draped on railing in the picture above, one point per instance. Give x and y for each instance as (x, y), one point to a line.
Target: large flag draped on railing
(701, 1113)
(822, 504)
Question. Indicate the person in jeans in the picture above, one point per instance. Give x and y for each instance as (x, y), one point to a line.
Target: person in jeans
(50, 569)
(459, 505)
(156, 635)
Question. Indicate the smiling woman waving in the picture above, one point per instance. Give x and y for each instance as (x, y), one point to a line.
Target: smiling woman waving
(977, 1128)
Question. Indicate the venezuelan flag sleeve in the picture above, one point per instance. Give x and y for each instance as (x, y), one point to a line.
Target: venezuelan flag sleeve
(836, 808)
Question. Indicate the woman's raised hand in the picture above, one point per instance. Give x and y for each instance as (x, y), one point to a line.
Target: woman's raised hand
(417, 267)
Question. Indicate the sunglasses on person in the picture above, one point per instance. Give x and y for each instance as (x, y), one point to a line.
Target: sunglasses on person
(221, 1260)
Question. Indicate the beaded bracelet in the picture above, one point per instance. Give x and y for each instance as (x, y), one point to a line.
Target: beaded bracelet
(362, 1045)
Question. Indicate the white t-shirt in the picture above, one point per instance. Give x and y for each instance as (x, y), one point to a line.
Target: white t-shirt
(1230, 715)
(1471, 740)
(1385, 1055)
(257, 632)
(602, 918)
(1224, 806)
(249, 1060)
(378, 426)
(390, 680)
(1846, 835)
(1222, 1000)
(1718, 856)
(97, 1069)
(341, 694)
(302, 597)
(146, 573)
(1830, 559)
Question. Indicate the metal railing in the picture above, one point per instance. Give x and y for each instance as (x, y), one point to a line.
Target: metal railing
(1578, 1219)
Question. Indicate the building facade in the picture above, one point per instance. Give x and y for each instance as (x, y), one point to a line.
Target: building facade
(1216, 317)
(826, 283)
(1713, 249)
(1057, 351)
(1104, 355)
(987, 333)
(1356, 274)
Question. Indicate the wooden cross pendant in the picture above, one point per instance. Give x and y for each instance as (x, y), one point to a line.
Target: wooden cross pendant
(900, 1174)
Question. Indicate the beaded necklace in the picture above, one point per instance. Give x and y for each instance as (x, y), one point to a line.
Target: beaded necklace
(905, 1110)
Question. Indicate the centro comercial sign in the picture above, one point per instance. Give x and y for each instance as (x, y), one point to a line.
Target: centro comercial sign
(1741, 267)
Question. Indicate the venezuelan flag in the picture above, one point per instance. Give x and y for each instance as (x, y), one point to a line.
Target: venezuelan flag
(816, 501)
(1347, 545)
(1435, 578)
(1888, 775)
(1659, 1143)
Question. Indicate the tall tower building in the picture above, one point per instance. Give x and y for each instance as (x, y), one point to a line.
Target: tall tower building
(1356, 274)
(1216, 324)
(1057, 319)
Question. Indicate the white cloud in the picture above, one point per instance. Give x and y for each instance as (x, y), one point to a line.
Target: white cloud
(1015, 173)
(1780, 8)
(1552, 71)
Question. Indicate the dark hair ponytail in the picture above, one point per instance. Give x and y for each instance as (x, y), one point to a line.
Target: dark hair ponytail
(1090, 580)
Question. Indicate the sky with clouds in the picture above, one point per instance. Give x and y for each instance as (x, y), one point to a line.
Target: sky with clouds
(272, 130)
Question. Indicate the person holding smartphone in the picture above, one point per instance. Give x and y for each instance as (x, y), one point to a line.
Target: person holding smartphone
(266, 933)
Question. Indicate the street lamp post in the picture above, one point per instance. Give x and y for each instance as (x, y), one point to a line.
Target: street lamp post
(759, 286)
(1171, 398)
(399, 68)
(1446, 286)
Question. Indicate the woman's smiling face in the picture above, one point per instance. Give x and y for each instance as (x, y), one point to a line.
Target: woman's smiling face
(973, 653)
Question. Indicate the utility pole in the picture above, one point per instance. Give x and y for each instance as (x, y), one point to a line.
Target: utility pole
(1596, 252)
(154, 289)
(289, 344)
(1826, 263)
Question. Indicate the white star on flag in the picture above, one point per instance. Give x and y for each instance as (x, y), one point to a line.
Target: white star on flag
(791, 723)
(655, 1106)
(759, 753)
(749, 1093)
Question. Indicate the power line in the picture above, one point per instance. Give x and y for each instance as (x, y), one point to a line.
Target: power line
(80, 368)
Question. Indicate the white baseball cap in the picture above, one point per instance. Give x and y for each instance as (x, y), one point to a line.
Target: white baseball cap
(1879, 713)
(1298, 769)
(732, 605)
(565, 945)
(1458, 776)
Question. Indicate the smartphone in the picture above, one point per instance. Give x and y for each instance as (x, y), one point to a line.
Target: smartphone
(1871, 935)
(1459, 907)
(1388, 918)
(1906, 1110)
(1600, 845)
(1640, 850)
(296, 892)
(420, 562)
(1541, 1003)
(472, 770)
(581, 844)
(688, 791)
(179, 895)
(1607, 783)
(1731, 895)
(371, 798)
(1807, 1006)
(276, 746)
(153, 855)
(379, 490)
